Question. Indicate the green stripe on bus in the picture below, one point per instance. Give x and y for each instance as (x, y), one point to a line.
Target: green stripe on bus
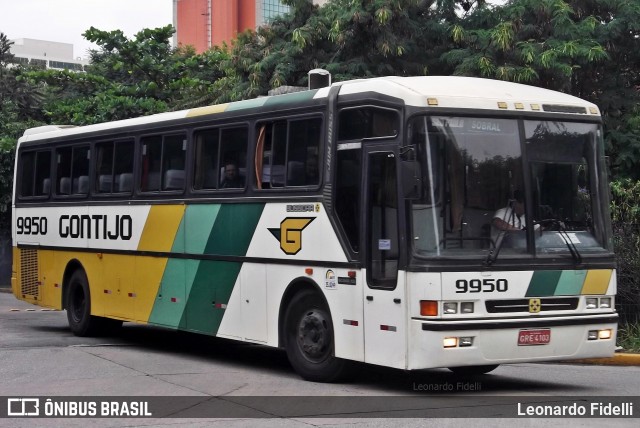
(543, 283)
(239, 105)
(233, 229)
(570, 283)
(200, 219)
(295, 97)
(213, 283)
(212, 286)
(191, 289)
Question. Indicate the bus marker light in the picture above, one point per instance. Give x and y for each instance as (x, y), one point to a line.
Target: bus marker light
(593, 110)
(351, 274)
(535, 107)
(450, 342)
(308, 271)
(502, 105)
(220, 306)
(56, 285)
(428, 308)
(388, 328)
(174, 299)
(107, 291)
(350, 322)
(432, 101)
(132, 294)
(518, 106)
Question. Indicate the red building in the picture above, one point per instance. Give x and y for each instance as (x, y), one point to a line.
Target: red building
(206, 23)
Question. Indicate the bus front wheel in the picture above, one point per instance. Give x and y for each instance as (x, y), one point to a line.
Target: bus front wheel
(309, 339)
(81, 322)
(473, 370)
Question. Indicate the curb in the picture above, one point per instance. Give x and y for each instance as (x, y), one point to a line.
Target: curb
(619, 359)
(5, 290)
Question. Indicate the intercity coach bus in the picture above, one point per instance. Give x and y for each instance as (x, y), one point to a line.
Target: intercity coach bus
(369, 221)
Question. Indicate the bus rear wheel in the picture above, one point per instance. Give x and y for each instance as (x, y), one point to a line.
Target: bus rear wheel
(474, 370)
(309, 339)
(81, 322)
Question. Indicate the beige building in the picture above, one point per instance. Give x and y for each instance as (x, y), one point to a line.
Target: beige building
(47, 54)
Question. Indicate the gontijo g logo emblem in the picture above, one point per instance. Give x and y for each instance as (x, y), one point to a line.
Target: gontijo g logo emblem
(290, 233)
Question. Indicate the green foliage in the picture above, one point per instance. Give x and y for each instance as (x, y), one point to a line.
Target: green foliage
(625, 201)
(629, 337)
(625, 210)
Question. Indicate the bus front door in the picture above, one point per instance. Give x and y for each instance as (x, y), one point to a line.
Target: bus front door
(384, 306)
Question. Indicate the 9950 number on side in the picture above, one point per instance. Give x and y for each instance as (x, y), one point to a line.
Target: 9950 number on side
(487, 285)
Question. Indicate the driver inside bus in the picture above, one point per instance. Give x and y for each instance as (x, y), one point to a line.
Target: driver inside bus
(511, 217)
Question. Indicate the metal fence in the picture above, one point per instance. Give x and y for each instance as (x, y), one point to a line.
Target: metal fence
(626, 240)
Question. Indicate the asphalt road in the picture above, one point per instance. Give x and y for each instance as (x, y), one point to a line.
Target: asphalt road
(224, 379)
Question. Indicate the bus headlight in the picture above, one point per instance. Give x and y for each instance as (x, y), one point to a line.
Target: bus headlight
(450, 307)
(592, 303)
(466, 307)
(605, 303)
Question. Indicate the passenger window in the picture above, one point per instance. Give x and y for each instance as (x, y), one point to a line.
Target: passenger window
(163, 160)
(221, 158)
(35, 176)
(72, 172)
(288, 153)
(114, 167)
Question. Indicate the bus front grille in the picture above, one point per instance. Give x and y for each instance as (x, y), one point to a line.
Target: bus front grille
(29, 273)
(522, 305)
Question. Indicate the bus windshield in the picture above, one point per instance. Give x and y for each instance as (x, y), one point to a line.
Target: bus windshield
(471, 198)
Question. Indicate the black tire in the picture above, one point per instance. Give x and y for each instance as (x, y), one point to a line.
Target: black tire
(309, 339)
(81, 322)
(473, 370)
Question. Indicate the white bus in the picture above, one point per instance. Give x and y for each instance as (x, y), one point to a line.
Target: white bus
(407, 222)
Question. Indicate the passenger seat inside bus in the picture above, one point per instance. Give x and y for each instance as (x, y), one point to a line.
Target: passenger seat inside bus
(65, 186)
(174, 179)
(125, 182)
(81, 185)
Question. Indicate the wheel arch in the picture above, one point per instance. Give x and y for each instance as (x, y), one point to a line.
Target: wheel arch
(296, 286)
(72, 266)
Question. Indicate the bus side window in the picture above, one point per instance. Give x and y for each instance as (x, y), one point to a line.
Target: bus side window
(218, 150)
(288, 153)
(163, 160)
(114, 166)
(28, 171)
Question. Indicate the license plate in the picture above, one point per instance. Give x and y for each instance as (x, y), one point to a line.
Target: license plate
(534, 337)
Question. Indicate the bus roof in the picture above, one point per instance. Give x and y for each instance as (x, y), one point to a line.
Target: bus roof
(424, 91)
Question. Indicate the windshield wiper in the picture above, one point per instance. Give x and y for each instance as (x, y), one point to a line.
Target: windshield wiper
(562, 231)
(493, 253)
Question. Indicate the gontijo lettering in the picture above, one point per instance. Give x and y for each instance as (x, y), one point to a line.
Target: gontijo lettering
(97, 226)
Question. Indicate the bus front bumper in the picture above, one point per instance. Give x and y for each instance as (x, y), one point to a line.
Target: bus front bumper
(512, 340)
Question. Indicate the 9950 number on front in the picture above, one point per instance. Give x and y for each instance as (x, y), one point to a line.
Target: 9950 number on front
(487, 285)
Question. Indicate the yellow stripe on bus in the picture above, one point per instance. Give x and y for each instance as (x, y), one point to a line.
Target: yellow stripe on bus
(161, 228)
(203, 111)
(597, 281)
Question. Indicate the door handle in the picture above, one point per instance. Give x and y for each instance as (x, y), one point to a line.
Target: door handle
(370, 298)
